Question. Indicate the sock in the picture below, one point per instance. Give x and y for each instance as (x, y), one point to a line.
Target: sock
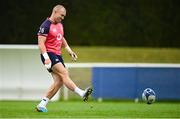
(44, 101)
(79, 91)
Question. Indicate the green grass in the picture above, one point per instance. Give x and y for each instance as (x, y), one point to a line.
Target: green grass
(76, 109)
(126, 55)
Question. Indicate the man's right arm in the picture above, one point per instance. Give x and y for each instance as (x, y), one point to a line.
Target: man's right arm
(42, 48)
(41, 44)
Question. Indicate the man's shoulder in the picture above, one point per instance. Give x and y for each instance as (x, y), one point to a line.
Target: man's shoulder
(44, 28)
(46, 23)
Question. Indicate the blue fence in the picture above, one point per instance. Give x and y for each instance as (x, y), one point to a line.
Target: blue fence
(129, 82)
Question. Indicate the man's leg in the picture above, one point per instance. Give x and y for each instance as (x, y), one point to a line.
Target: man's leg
(50, 93)
(55, 86)
(63, 73)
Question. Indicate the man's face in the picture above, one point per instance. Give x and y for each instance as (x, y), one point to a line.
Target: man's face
(59, 15)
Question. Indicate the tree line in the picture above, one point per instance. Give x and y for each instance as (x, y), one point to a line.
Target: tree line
(146, 23)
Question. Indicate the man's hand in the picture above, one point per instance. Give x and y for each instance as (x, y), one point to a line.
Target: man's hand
(73, 56)
(71, 53)
(47, 62)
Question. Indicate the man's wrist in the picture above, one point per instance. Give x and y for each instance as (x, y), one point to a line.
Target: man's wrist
(45, 55)
(68, 49)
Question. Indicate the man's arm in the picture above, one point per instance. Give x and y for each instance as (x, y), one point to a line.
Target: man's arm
(41, 44)
(69, 50)
(42, 48)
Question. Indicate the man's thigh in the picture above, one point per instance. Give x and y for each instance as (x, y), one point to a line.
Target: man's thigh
(59, 69)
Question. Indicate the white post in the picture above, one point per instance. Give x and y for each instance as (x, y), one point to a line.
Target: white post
(65, 90)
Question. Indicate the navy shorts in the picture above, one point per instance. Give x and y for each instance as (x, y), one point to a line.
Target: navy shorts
(54, 59)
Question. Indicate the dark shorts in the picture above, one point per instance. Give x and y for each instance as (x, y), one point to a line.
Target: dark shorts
(54, 59)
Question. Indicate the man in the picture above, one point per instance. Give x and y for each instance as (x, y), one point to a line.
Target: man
(50, 41)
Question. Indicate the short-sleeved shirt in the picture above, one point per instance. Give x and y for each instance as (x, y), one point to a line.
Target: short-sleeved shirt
(54, 34)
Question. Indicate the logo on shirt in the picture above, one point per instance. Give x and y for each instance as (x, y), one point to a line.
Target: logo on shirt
(59, 36)
(41, 30)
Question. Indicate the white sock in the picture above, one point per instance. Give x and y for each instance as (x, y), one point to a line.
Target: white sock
(44, 101)
(79, 91)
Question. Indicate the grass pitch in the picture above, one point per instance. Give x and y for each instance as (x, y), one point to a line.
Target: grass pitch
(125, 54)
(76, 109)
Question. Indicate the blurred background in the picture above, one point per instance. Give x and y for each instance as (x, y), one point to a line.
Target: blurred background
(146, 23)
(128, 34)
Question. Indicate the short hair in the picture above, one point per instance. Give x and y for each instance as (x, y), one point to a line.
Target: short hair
(58, 7)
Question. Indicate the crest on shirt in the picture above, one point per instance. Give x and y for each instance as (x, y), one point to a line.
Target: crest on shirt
(59, 36)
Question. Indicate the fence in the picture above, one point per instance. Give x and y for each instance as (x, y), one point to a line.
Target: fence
(129, 82)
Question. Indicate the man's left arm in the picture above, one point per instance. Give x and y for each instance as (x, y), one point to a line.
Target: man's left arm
(69, 50)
